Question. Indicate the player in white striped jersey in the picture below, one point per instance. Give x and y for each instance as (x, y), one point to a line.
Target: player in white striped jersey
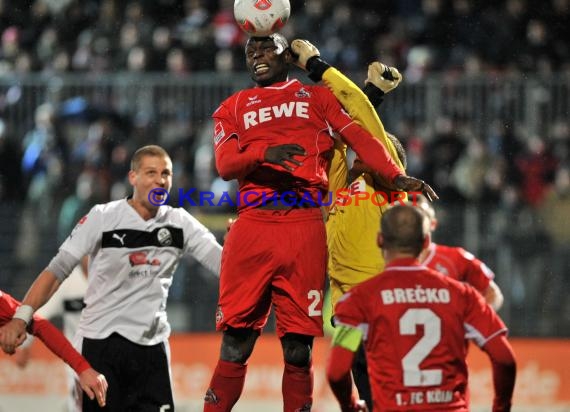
(134, 246)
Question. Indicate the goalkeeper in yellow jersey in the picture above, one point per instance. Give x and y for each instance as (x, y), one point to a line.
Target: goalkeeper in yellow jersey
(352, 226)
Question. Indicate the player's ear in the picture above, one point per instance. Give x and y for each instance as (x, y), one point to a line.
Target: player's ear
(289, 56)
(433, 224)
(132, 177)
(427, 241)
(380, 240)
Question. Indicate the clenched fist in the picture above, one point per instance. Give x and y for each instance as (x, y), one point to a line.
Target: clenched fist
(384, 77)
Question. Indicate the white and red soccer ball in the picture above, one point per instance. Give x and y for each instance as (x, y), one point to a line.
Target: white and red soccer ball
(261, 17)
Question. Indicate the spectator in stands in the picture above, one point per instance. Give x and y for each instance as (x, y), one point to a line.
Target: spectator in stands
(537, 167)
(11, 181)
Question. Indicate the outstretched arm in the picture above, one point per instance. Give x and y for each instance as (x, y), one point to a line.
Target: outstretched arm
(361, 110)
(14, 332)
(92, 382)
(354, 100)
(376, 156)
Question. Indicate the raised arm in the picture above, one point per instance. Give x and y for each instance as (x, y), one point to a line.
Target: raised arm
(383, 157)
(352, 98)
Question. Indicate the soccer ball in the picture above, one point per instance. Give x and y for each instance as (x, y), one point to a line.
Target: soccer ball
(261, 17)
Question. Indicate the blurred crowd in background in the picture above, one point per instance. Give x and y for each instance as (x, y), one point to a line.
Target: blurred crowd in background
(49, 180)
(182, 36)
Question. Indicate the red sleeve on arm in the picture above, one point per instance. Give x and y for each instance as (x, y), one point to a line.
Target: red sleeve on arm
(235, 163)
(58, 344)
(339, 377)
(370, 151)
(8, 306)
(478, 275)
(504, 372)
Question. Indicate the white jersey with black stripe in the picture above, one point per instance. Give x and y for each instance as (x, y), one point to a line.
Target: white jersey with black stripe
(131, 263)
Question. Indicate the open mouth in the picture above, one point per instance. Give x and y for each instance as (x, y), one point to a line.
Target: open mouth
(260, 68)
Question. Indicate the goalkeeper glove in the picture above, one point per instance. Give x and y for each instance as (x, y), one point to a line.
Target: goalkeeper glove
(384, 77)
(308, 58)
(304, 51)
(356, 405)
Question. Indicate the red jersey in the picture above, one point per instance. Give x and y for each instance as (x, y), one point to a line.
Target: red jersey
(46, 332)
(287, 113)
(459, 264)
(415, 322)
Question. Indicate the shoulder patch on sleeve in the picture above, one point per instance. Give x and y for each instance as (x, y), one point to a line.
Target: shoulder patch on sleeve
(218, 132)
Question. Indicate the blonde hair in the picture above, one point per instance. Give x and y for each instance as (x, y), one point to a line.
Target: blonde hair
(150, 150)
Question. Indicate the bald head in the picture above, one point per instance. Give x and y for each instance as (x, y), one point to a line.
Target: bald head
(404, 230)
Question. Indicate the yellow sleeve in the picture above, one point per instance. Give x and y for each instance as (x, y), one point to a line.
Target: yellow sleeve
(347, 337)
(338, 172)
(359, 107)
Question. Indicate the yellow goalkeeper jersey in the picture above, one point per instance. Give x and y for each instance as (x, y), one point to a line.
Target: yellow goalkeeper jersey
(352, 228)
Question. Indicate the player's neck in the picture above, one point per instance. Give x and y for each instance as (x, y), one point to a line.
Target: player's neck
(390, 255)
(143, 211)
(425, 252)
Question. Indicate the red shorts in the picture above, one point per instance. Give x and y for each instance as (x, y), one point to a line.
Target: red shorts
(274, 257)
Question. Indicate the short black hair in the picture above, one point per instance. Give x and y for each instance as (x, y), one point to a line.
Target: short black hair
(399, 149)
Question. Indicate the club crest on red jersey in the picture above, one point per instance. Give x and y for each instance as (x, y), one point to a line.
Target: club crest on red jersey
(302, 94)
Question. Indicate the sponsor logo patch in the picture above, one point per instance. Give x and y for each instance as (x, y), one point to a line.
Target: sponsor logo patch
(140, 258)
(218, 132)
(164, 237)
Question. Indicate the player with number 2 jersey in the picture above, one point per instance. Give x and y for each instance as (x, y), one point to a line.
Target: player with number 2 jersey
(414, 322)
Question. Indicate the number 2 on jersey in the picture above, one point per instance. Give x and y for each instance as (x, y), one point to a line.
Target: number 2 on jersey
(315, 296)
(413, 375)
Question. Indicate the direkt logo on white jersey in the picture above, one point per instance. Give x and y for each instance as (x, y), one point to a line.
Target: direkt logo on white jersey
(142, 265)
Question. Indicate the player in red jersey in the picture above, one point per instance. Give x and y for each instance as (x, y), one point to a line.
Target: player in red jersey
(93, 383)
(276, 140)
(414, 321)
(458, 263)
